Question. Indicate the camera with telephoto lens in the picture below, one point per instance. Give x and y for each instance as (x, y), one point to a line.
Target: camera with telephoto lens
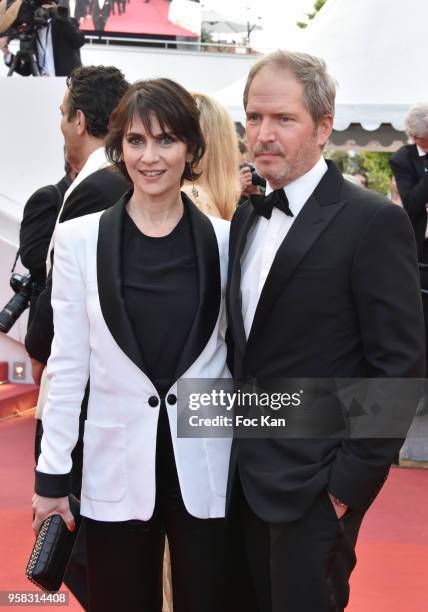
(31, 16)
(25, 288)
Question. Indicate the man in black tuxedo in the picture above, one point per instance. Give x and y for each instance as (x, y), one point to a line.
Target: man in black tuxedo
(323, 284)
(410, 168)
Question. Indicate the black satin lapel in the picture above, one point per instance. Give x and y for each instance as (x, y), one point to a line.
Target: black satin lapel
(109, 257)
(315, 216)
(209, 279)
(233, 297)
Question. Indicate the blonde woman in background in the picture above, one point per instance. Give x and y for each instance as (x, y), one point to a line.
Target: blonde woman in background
(216, 193)
(217, 190)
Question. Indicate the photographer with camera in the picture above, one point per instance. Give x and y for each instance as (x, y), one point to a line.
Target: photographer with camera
(49, 35)
(250, 180)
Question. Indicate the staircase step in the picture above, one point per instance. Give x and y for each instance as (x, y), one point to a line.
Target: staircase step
(16, 399)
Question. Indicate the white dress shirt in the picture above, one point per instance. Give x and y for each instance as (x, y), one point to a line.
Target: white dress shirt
(45, 50)
(266, 236)
(421, 152)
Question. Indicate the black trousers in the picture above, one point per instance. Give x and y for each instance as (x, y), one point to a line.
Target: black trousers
(299, 566)
(124, 559)
(75, 574)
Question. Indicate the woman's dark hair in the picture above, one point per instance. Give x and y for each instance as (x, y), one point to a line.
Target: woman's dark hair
(174, 108)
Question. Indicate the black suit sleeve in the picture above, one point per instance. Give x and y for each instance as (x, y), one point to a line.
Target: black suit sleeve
(412, 189)
(37, 226)
(385, 284)
(40, 331)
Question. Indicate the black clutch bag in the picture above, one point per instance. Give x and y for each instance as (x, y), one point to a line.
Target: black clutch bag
(52, 550)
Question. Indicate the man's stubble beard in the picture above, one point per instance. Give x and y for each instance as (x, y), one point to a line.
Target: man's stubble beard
(292, 170)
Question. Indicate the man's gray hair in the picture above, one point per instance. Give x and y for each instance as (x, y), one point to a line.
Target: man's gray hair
(416, 120)
(319, 88)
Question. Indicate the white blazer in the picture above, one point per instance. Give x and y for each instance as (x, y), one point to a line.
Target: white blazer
(94, 339)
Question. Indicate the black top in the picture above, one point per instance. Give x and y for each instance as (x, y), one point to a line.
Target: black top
(160, 290)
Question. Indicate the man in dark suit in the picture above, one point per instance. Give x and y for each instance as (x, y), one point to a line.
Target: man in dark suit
(410, 168)
(323, 284)
(100, 14)
(92, 94)
(57, 46)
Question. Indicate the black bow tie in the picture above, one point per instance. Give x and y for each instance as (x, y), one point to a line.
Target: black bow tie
(263, 205)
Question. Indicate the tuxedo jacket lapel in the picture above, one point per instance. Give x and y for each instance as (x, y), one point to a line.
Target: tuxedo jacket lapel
(208, 263)
(234, 299)
(315, 216)
(110, 285)
(109, 257)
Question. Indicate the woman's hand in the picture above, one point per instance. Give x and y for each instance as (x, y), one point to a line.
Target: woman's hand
(37, 370)
(46, 506)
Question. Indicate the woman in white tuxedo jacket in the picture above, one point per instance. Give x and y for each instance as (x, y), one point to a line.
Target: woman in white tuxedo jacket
(138, 305)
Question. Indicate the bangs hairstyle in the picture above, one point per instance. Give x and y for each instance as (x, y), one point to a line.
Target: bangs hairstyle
(174, 108)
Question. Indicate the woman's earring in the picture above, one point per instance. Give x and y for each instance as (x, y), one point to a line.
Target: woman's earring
(195, 192)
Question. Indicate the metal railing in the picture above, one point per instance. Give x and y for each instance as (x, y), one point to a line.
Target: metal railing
(176, 44)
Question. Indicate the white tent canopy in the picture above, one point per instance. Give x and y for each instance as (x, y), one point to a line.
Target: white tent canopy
(375, 49)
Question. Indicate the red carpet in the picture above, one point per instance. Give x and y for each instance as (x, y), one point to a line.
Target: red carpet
(141, 18)
(392, 569)
(16, 399)
(16, 486)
